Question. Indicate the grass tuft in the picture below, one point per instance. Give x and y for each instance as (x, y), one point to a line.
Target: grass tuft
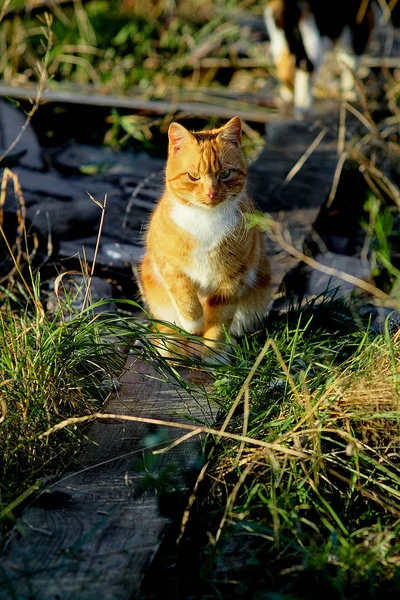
(50, 368)
(333, 513)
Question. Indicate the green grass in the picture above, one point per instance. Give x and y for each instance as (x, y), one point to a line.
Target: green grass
(328, 518)
(50, 368)
(276, 521)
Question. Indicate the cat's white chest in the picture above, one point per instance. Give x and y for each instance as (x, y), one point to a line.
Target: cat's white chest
(203, 271)
(207, 227)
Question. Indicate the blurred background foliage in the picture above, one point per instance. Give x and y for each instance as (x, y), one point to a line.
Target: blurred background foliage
(213, 50)
(117, 44)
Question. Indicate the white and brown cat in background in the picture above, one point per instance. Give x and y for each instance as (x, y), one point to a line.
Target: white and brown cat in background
(302, 30)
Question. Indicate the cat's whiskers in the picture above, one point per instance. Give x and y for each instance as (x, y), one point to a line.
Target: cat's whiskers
(241, 227)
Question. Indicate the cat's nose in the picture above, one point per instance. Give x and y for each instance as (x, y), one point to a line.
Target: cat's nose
(211, 194)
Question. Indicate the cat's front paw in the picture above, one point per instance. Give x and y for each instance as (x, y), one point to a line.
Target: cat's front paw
(194, 327)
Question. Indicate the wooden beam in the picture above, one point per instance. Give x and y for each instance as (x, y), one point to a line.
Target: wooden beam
(199, 109)
(30, 6)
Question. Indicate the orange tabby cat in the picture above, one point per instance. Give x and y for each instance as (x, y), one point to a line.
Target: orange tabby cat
(204, 269)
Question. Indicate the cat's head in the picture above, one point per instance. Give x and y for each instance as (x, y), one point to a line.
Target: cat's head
(206, 168)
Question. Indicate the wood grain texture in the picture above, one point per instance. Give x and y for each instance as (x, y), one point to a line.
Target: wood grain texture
(93, 533)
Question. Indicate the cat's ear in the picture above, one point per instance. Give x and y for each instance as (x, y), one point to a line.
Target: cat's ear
(232, 131)
(178, 136)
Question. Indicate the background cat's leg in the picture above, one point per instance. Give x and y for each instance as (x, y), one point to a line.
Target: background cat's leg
(303, 99)
(282, 57)
(285, 67)
(307, 67)
(348, 64)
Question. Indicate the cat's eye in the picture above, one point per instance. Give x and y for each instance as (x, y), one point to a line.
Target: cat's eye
(224, 175)
(193, 176)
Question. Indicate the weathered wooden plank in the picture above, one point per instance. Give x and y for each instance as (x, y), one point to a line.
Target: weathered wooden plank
(92, 533)
(199, 109)
(286, 142)
(32, 5)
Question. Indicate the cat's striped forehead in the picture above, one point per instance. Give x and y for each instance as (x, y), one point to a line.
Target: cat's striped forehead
(207, 135)
(212, 154)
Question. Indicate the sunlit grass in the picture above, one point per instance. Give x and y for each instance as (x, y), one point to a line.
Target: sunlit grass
(329, 391)
(50, 368)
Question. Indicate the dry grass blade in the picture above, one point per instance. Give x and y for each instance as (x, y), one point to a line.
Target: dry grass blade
(387, 8)
(4, 410)
(360, 116)
(219, 433)
(7, 175)
(134, 194)
(342, 129)
(378, 176)
(232, 497)
(361, 11)
(367, 493)
(365, 106)
(336, 178)
(246, 413)
(191, 501)
(58, 281)
(304, 157)
(246, 384)
(179, 441)
(4, 9)
(13, 505)
(275, 230)
(96, 250)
